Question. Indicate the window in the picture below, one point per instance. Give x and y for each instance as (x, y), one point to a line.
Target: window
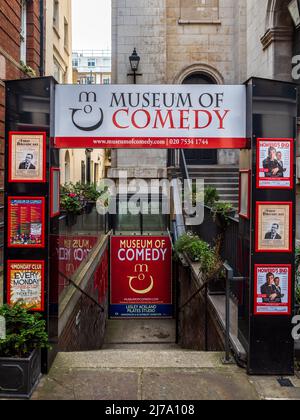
(23, 32)
(58, 72)
(56, 14)
(75, 62)
(106, 80)
(91, 62)
(199, 10)
(90, 80)
(66, 35)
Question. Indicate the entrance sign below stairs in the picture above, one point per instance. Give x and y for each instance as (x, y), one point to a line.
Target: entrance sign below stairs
(153, 117)
(141, 277)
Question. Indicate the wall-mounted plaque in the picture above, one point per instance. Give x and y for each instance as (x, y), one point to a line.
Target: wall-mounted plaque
(25, 284)
(27, 157)
(275, 163)
(274, 227)
(273, 290)
(26, 222)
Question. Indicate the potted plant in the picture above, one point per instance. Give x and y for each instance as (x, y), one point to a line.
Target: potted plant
(20, 351)
(72, 206)
(211, 196)
(222, 211)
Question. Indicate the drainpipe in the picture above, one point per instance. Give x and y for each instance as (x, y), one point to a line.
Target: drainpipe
(42, 42)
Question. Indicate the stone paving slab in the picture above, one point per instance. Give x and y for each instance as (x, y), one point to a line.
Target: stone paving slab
(269, 388)
(214, 384)
(89, 385)
(138, 359)
(141, 331)
(155, 375)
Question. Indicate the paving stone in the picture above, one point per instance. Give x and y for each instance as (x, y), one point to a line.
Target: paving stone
(216, 384)
(89, 385)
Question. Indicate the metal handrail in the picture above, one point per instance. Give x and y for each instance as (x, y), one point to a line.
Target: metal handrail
(82, 291)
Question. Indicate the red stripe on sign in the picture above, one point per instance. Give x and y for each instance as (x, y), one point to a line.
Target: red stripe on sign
(150, 143)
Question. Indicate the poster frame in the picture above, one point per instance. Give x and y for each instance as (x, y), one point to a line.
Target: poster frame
(9, 223)
(43, 164)
(111, 304)
(290, 179)
(290, 230)
(256, 267)
(41, 308)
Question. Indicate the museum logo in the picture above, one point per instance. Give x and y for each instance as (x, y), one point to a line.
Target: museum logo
(88, 101)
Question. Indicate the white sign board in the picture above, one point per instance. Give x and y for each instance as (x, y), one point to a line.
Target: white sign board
(168, 116)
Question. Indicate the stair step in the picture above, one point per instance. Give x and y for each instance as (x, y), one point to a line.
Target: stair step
(124, 359)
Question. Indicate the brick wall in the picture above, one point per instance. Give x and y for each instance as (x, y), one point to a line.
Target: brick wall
(10, 68)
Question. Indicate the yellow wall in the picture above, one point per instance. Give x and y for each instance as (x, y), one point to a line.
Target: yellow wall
(76, 156)
(59, 46)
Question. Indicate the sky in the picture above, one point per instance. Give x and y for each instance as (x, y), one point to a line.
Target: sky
(91, 24)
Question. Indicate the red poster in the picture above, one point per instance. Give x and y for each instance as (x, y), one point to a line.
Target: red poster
(26, 222)
(141, 276)
(273, 288)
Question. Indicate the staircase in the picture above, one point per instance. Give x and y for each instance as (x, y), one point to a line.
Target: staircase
(225, 179)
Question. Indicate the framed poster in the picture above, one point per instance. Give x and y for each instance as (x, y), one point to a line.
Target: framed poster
(275, 163)
(141, 277)
(26, 284)
(273, 290)
(27, 157)
(274, 227)
(245, 194)
(26, 222)
(55, 192)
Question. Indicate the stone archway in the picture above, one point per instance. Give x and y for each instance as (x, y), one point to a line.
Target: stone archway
(279, 38)
(201, 70)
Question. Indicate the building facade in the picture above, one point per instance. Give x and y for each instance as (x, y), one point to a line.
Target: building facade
(200, 42)
(58, 45)
(21, 56)
(92, 67)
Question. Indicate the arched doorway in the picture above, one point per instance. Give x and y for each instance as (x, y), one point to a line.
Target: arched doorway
(200, 157)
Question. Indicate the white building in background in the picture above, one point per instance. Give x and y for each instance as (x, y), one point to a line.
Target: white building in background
(92, 67)
(87, 165)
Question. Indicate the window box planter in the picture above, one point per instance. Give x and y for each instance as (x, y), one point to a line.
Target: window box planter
(20, 377)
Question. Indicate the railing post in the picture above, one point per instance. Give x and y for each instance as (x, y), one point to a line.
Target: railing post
(229, 278)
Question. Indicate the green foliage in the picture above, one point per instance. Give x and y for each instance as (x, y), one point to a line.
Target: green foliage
(199, 251)
(25, 332)
(71, 203)
(221, 213)
(211, 196)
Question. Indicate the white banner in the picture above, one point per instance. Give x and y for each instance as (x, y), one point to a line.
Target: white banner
(169, 116)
